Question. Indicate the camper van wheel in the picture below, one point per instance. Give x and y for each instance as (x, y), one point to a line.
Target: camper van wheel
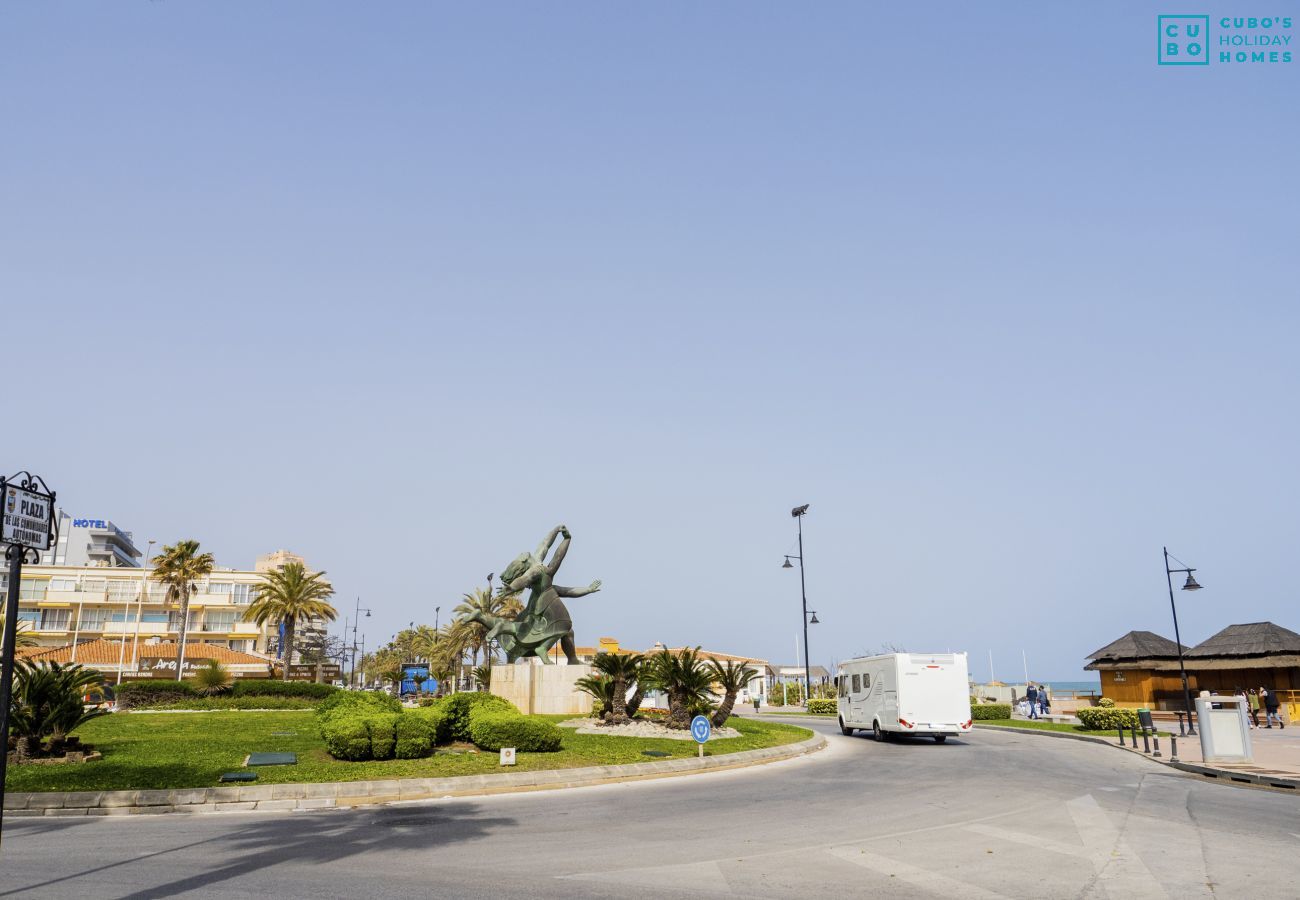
(877, 732)
(940, 738)
(845, 730)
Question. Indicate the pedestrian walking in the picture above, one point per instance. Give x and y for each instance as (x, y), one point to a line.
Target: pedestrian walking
(1271, 708)
(1254, 708)
(1044, 702)
(1031, 694)
(1245, 702)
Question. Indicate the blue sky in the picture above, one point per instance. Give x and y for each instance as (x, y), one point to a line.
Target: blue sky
(400, 287)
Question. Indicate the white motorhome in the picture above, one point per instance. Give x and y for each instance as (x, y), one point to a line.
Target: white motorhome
(924, 694)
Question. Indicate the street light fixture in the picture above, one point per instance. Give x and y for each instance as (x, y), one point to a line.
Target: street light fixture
(356, 620)
(1189, 585)
(798, 513)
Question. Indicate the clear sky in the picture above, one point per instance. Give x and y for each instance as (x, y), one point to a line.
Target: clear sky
(400, 286)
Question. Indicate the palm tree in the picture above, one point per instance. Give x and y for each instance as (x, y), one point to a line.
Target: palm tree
(503, 605)
(47, 700)
(731, 678)
(686, 679)
(620, 668)
(179, 566)
(22, 638)
(288, 596)
(601, 688)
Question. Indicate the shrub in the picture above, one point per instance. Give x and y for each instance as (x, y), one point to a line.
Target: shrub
(436, 718)
(458, 707)
(492, 729)
(1101, 718)
(383, 734)
(991, 711)
(266, 687)
(414, 736)
(347, 736)
(1106, 702)
(228, 702)
(213, 679)
(822, 707)
(356, 702)
(136, 694)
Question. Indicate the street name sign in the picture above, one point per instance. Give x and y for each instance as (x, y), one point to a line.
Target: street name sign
(27, 516)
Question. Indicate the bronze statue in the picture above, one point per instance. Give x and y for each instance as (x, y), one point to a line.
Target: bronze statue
(545, 620)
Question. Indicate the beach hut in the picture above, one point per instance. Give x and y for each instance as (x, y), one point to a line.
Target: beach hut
(1140, 669)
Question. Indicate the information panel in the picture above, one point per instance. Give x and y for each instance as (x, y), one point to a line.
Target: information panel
(27, 516)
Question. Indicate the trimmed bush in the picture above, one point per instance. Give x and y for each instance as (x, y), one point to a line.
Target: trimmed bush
(265, 687)
(437, 719)
(458, 707)
(347, 737)
(237, 703)
(492, 729)
(414, 737)
(383, 734)
(991, 711)
(1101, 718)
(137, 694)
(1106, 702)
(357, 702)
(822, 707)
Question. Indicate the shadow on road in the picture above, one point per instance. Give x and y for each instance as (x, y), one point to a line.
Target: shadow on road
(253, 844)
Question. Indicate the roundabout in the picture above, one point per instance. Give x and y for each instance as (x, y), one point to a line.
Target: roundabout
(990, 815)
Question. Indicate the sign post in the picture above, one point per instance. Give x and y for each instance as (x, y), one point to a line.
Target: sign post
(26, 526)
(701, 729)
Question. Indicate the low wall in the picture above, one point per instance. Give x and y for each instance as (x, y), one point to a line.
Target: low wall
(543, 689)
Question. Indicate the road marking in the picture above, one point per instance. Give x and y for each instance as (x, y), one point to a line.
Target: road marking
(927, 881)
(1031, 840)
(1120, 872)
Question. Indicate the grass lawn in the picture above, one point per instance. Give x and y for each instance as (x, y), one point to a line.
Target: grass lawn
(176, 750)
(1057, 726)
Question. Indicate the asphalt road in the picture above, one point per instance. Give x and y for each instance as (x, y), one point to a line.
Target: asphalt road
(991, 816)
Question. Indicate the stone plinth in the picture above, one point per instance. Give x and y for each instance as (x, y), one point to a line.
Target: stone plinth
(542, 689)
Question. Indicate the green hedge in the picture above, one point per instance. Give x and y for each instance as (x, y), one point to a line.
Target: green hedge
(414, 737)
(347, 737)
(458, 707)
(356, 702)
(438, 720)
(137, 694)
(492, 729)
(235, 703)
(991, 711)
(265, 687)
(822, 707)
(1100, 718)
(383, 734)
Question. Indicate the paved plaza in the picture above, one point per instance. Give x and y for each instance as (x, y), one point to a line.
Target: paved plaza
(995, 815)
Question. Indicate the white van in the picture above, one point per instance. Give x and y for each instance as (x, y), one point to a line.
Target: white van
(905, 693)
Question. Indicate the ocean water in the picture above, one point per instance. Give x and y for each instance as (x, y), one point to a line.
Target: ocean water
(1075, 685)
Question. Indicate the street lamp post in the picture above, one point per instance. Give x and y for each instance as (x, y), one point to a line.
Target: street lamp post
(1189, 585)
(356, 620)
(798, 513)
(139, 612)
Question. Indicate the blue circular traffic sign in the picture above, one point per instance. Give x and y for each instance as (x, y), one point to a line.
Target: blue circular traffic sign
(701, 729)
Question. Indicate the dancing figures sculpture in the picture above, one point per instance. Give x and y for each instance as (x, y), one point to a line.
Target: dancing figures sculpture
(545, 620)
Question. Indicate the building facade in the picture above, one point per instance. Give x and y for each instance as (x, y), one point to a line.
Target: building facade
(91, 542)
(70, 605)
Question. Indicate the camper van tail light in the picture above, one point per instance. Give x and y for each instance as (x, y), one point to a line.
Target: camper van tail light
(934, 667)
(965, 726)
(905, 723)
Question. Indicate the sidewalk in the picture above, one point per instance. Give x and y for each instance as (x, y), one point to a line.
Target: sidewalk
(1277, 753)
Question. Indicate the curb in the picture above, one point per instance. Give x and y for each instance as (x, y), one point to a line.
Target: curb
(335, 794)
(1228, 776)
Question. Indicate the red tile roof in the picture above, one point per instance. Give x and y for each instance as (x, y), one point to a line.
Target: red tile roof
(103, 653)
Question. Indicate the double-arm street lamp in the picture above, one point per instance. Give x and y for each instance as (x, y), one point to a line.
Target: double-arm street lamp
(799, 512)
(1189, 585)
(356, 620)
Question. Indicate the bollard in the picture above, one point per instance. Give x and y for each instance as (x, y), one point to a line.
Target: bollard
(1120, 728)
(1133, 733)
(1173, 749)
(1146, 742)
(1181, 731)
(1155, 739)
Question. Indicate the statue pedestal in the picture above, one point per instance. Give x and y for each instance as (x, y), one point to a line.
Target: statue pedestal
(542, 689)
